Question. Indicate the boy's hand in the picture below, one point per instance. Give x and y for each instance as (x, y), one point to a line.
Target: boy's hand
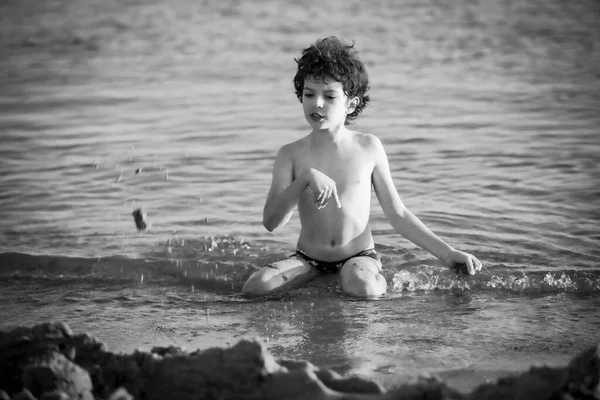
(323, 187)
(460, 258)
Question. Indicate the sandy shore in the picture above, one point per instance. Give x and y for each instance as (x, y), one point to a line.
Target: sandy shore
(50, 361)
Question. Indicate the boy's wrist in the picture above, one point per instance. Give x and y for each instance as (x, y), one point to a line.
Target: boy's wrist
(449, 256)
(305, 178)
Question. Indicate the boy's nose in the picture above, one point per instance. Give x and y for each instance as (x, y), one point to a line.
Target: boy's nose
(319, 102)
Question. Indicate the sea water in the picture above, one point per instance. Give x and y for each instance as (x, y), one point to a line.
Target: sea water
(490, 115)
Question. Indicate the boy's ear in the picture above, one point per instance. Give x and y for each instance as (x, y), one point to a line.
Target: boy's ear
(354, 102)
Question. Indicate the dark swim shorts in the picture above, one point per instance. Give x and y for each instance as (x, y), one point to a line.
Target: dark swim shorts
(332, 267)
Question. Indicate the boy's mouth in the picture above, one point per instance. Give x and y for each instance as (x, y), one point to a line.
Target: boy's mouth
(316, 116)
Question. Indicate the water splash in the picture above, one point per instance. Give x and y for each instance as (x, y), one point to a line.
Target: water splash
(430, 278)
(224, 263)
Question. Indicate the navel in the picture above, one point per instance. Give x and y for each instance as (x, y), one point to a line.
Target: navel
(332, 243)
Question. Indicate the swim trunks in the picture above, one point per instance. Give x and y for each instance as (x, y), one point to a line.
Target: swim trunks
(332, 267)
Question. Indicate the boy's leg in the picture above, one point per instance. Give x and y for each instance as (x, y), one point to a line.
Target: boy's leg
(282, 274)
(361, 277)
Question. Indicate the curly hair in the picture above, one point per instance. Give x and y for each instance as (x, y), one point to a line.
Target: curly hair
(330, 58)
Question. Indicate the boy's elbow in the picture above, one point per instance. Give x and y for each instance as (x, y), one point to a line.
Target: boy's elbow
(396, 210)
(268, 224)
(273, 222)
(268, 227)
(403, 212)
(400, 209)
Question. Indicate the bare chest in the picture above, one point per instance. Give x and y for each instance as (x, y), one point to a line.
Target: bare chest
(345, 168)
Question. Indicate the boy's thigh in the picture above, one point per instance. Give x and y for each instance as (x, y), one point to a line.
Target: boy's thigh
(280, 274)
(361, 265)
(290, 269)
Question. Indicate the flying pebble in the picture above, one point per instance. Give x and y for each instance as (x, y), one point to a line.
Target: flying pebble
(139, 218)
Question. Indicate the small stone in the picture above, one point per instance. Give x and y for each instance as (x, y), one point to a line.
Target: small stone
(139, 218)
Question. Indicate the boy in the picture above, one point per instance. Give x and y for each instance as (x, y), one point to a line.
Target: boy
(328, 175)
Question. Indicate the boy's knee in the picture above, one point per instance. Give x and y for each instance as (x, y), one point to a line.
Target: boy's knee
(260, 283)
(361, 277)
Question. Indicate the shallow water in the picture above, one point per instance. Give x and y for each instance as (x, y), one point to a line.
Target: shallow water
(489, 114)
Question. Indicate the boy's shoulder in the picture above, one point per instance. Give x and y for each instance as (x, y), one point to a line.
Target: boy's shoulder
(295, 146)
(364, 140)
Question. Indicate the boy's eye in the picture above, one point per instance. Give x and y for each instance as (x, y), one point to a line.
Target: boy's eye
(308, 95)
(331, 97)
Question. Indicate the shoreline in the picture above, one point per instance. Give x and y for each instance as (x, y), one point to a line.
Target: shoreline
(50, 361)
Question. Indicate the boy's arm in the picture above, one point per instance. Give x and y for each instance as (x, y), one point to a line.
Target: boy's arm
(405, 222)
(284, 193)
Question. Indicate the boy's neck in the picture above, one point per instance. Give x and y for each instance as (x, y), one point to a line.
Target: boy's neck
(335, 136)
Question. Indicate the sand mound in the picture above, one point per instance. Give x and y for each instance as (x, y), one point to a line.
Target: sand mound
(49, 361)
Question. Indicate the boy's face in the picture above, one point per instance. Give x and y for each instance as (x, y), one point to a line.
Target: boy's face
(325, 103)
